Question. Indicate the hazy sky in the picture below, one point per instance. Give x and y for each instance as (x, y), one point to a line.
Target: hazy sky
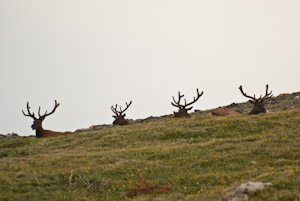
(90, 54)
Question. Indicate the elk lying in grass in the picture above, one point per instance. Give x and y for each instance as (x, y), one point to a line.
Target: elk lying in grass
(119, 116)
(37, 123)
(258, 105)
(257, 102)
(183, 109)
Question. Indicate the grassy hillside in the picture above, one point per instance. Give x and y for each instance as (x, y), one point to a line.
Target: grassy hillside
(200, 158)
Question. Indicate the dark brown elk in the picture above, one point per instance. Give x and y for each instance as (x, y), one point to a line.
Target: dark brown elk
(184, 108)
(257, 102)
(37, 123)
(119, 116)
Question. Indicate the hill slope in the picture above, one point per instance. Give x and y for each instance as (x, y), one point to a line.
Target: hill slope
(200, 158)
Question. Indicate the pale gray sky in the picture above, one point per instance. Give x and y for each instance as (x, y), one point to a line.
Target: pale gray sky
(90, 54)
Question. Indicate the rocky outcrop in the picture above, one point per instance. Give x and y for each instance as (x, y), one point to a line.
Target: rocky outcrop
(131, 121)
(93, 128)
(13, 136)
(151, 118)
(243, 191)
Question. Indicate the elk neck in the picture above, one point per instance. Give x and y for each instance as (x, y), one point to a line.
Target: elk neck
(39, 132)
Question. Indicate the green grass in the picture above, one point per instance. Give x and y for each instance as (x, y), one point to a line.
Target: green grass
(202, 158)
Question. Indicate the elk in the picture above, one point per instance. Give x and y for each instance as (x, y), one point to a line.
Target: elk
(37, 123)
(221, 112)
(119, 116)
(258, 102)
(184, 108)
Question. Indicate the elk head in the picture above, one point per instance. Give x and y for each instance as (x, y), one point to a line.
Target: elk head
(258, 102)
(119, 116)
(37, 123)
(184, 108)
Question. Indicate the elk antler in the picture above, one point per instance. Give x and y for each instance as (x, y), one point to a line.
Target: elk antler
(29, 113)
(118, 113)
(177, 103)
(241, 89)
(267, 95)
(180, 106)
(195, 99)
(47, 114)
(114, 109)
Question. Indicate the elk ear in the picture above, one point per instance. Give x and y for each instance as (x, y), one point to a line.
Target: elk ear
(114, 116)
(123, 115)
(189, 108)
(251, 101)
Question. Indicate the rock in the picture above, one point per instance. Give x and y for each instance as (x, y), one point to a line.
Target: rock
(81, 130)
(243, 191)
(9, 136)
(296, 97)
(151, 118)
(232, 105)
(13, 136)
(131, 121)
(93, 128)
(271, 101)
(98, 127)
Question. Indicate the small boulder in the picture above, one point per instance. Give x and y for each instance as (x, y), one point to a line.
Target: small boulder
(243, 191)
(13, 136)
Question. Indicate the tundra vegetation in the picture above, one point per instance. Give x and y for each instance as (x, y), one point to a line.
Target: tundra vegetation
(198, 158)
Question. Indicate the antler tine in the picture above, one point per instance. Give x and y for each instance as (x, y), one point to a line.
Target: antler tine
(55, 106)
(267, 94)
(195, 99)
(39, 112)
(29, 113)
(177, 103)
(127, 106)
(115, 109)
(129, 103)
(241, 89)
(267, 87)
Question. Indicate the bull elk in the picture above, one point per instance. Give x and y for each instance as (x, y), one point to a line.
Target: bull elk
(257, 102)
(184, 108)
(119, 116)
(37, 123)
